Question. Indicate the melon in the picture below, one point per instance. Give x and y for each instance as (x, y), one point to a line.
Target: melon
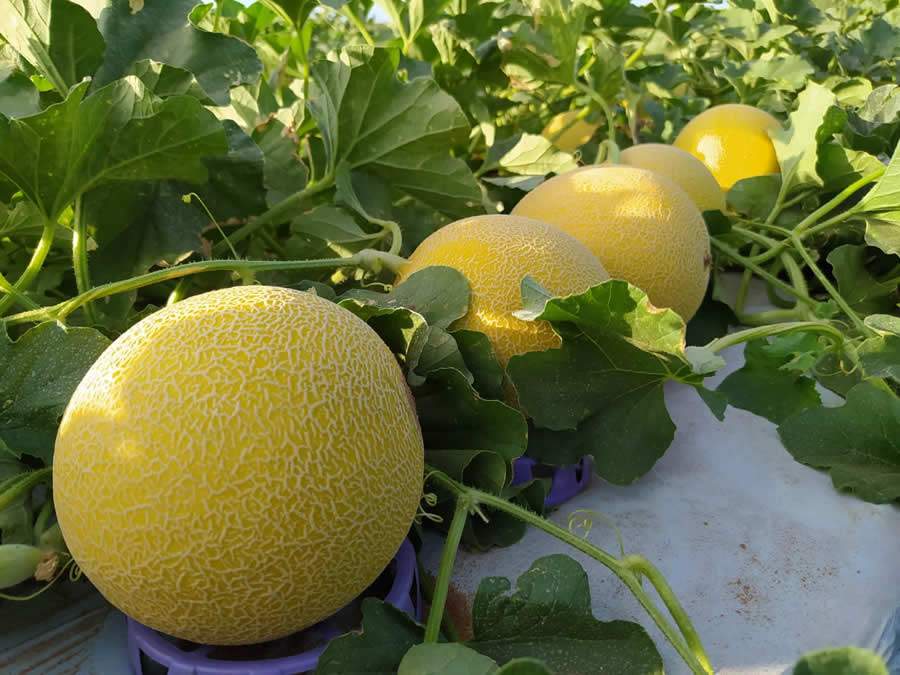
(495, 252)
(567, 132)
(733, 141)
(680, 167)
(642, 226)
(239, 465)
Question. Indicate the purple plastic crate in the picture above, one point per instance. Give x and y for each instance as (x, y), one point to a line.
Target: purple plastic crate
(566, 481)
(195, 659)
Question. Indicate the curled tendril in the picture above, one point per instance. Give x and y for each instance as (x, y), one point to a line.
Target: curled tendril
(422, 513)
(69, 567)
(583, 519)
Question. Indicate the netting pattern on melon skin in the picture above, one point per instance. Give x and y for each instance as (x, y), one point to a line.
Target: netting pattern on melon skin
(643, 227)
(239, 465)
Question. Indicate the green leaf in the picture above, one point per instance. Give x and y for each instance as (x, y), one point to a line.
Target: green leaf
(880, 357)
(481, 361)
(137, 226)
(387, 634)
(160, 31)
(457, 659)
(883, 231)
(874, 125)
(601, 393)
(366, 193)
(40, 372)
(332, 224)
(399, 131)
(57, 37)
(18, 95)
(284, 173)
(858, 443)
(440, 351)
(546, 49)
(881, 207)
(841, 661)
(445, 659)
(235, 185)
(456, 421)
(885, 196)
(797, 145)
(607, 74)
(712, 320)
(754, 197)
(548, 617)
(438, 293)
(528, 155)
(839, 167)
(864, 292)
(165, 80)
(764, 387)
(116, 134)
(883, 323)
(15, 519)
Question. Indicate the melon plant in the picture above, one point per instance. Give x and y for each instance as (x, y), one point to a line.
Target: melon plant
(182, 149)
(238, 466)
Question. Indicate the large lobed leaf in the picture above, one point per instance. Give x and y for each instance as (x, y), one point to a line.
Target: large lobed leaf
(545, 626)
(57, 37)
(119, 133)
(858, 443)
(400, 131)
(160, 30)
(548, 617)
(601, 392)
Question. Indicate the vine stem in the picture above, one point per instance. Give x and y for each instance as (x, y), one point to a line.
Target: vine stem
(277, 213)
(744, 286)
(23, 300)
(34, 265)
(348, 12)
(368, 258)
(746, 262)
(757, 332)
(448, 557)
(810, 225)
(629, 569)
(610, 120)
(80, 255)
(829, 287)
(22, 483)
(771, 316)
(837, 200)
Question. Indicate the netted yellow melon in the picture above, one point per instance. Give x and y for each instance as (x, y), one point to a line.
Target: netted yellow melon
(239, 465)
(642, 226)
(567, 132)
(682, 168)
(495, 252)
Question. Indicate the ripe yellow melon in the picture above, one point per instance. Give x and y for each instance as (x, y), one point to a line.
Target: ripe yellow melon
(568, 133)
(495, 252)
(732, 141)
(643, 227)
(682, 168)
(239, 465)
